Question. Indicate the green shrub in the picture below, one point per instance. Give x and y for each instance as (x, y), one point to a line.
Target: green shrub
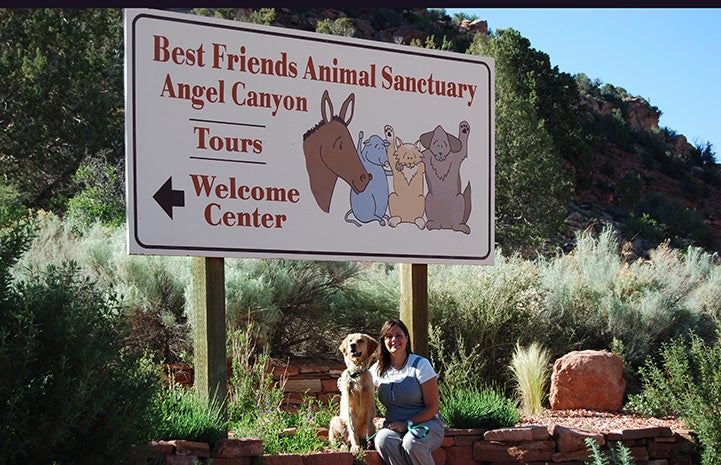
(683, 227)
(530, 368)
(286, 430)
(292, 431)
(687, 382)
(293, 303)
(182, 414)
(368, 298)
(629, 188)
(70, 393)
(339, 27)
(478, 313)
(150, 289)
(591, 297)
(576, 301)
(263, 16)
(100, 191)
(11, 206)
(256, 403)
(618, 454)
(485, 407)
(458, 368)
(253, 393)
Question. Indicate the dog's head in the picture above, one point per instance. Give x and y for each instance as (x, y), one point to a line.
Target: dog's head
(408, 155)
(358, 350)
(440, 143)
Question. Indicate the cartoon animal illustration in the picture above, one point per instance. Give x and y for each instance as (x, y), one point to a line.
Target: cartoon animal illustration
(330, 153)
(406, 203)
(446, 206)
(372, 203)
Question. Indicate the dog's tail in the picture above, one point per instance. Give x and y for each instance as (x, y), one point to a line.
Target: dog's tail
(466, 203)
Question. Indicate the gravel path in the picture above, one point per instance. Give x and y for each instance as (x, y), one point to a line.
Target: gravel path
(600, 422)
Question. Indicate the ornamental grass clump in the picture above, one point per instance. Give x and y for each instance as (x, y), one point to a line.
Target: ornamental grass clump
(183, 414)
(484, 407)
(530, 369)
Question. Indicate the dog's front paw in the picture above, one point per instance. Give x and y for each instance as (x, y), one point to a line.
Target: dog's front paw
(355, 449)
(388, 129)
(464, 128)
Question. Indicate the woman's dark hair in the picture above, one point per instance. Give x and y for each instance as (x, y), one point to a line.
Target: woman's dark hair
(384, 357)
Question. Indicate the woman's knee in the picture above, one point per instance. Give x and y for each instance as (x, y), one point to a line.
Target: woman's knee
(384, 437)
(412, 446)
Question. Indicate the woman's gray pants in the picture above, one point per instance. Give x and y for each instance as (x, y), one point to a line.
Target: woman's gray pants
(406, 449)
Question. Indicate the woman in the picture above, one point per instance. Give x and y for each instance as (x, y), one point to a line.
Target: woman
(408, 388)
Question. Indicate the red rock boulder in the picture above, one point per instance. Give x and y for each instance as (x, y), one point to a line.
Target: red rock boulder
(587, 379)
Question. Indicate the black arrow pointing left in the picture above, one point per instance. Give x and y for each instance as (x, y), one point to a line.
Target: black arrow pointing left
(168, 198)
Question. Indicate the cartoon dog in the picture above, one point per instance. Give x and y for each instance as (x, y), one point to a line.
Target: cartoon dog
(446, 206)
(357, 402)
(406, 203)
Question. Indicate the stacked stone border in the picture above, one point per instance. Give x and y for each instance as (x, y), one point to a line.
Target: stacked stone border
(526, 445)
(299, 378)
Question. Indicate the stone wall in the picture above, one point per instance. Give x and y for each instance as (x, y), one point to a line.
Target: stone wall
(314, 378)
(528, 445)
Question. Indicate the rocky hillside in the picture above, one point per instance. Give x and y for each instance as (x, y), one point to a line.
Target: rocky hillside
(624, 174)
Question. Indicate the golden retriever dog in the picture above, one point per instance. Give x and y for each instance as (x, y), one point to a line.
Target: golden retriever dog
(357, 393)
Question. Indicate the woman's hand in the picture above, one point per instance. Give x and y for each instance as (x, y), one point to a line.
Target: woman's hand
(398, 426)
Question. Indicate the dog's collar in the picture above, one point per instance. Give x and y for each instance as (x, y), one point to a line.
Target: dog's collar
(355, 374)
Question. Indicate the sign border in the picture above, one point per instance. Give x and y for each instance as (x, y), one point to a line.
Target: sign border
(303, 254)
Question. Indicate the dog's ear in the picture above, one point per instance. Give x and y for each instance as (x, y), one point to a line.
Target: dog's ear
(455, 143)
(344, 346)
(426, 138)
(372, 345)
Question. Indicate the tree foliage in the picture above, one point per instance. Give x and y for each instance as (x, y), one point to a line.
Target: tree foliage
(553, 94)
(100, 191)
(263, 16)
(61, 84)
(533, 183)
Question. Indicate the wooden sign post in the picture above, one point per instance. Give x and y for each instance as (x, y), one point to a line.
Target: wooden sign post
(414, 304)
(209, 302)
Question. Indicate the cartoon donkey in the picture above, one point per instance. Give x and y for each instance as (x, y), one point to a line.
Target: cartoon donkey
(372, 203)
(330, 153)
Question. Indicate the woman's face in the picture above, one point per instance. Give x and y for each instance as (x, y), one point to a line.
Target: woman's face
(396, 341)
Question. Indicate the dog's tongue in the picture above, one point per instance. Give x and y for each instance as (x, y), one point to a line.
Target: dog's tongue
(356, 354)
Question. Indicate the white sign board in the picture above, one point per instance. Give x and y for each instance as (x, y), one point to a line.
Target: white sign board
(252, 141)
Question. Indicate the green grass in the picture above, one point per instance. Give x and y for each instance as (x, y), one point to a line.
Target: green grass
(182, 414)
(288, 431)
